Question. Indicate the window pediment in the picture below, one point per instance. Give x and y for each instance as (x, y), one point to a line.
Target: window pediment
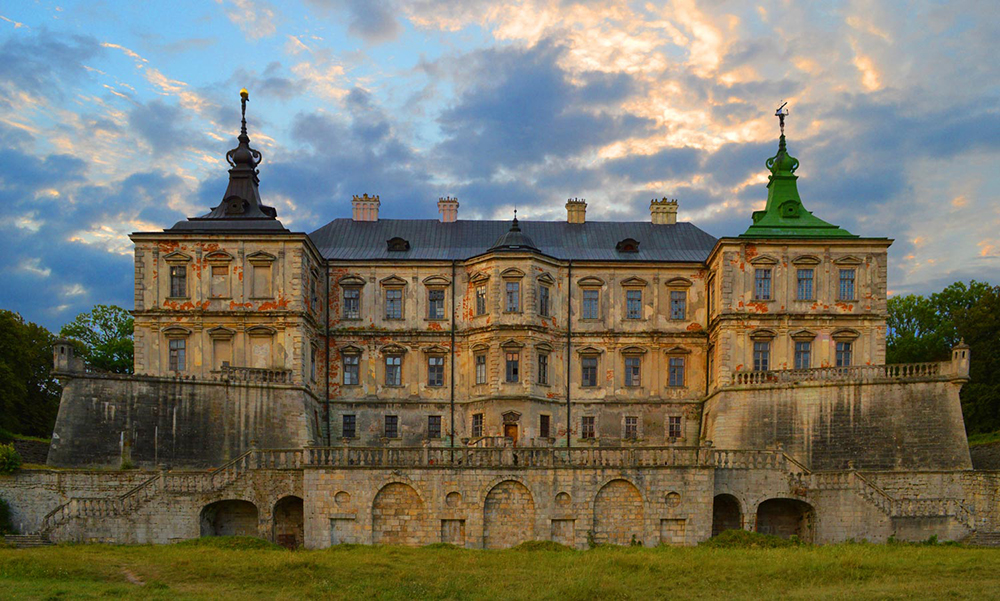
(546, 279)
(176, 257)
(511, 344)
(392, 349)
(803, 335)
(221, 333)
(678, 350)
(633, 350)
(589, 350)
(351, 280)
(679, 283)
(219, 256)
(590, 282)
(512, 272)
(763, 334)
(806, 260)
(544, 347)
(848, 260)
(261, 331)
(763, 260)
(510, 417)
(397, 244)
(435, 350)
(480, 277)
(351, 349)
(481, 347)
(845, 334)
(261, 257)
(176, 331)
(436, 281)
(633, 282)
(393, 280)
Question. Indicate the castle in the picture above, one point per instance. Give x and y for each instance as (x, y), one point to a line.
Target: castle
(484, 383)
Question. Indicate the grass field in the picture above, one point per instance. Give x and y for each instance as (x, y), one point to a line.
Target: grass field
(235, 569)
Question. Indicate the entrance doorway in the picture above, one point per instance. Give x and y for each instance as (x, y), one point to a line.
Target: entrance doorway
(510, 431)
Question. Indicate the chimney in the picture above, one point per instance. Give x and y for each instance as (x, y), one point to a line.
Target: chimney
(576, 210)
(365, 207)
(448, 207)
(663, 211)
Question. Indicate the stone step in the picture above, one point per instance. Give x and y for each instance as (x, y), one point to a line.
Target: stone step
(24, 541)
(983, 539)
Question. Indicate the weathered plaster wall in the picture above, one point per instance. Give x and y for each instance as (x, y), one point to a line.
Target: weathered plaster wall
(181, 423)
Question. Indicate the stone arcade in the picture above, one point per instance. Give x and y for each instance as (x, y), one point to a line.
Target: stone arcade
(484, 383)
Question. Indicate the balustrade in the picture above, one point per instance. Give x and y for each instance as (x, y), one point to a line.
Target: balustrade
(853, 373)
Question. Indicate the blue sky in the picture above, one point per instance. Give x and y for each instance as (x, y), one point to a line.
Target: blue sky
(115, 117)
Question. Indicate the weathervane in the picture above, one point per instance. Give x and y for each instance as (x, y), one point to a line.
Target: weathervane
(781, 113)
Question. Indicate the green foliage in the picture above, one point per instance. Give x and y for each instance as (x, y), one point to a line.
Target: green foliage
(104, 338)
(6, 527)
(231, 543)
(742, 539)
(29, 395)
(925, 328)
(541, 545)
(10, 459)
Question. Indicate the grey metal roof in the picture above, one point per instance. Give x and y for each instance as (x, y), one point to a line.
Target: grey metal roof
(430, 239)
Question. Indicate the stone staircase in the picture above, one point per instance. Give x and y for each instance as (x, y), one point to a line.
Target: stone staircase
(982, 539)
(132, 500)
(26, 541)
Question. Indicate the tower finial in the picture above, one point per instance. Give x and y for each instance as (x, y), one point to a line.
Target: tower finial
(244, 99)
(781, 113)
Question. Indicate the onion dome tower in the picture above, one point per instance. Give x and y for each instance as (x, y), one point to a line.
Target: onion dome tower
(241, 208)
(784, 216)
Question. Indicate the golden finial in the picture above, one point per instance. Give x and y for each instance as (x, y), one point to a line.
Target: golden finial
(244, 94)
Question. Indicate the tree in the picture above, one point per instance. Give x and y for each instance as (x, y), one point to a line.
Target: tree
(29, 395)
(104, 338)
(914, 331)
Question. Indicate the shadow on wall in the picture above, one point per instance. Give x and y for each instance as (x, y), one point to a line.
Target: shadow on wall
(230, 518)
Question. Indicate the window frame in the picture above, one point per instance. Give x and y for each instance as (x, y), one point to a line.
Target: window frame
(677, 364)
(630, 422)
(177, 357)
(344, 310)
(542, 377)
(761, 355)
(438, 368)
(763, 284)
(392, 433)
(434, 423)
(811, 282)
(584, 368)
(852, 281)
(394, 302)
(398, 357)
(675, 421)
(346, 368)
(179, 275)
(212, 292)
(843, 349)
(512, 358)
(353, 418)
(593, 303)
(482, 300)
(478, 425)
(633, 371)
(480, 381)
(431, 304)
(800, 349)
(514, 294)
(588, 427)
(678, 304)
(544, 425)
(629, 301)
(544, 300)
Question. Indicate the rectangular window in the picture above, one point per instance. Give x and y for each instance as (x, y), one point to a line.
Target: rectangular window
(631, 427)
(591, 307)
(513, 298)
(314, 292)
(480, 369)
(587, 426)
(588, 367)
(433, 426)
(676, 371)
(678, 304)
(803, 355)
(805, 284)
(312, 364)
(178, 349)
(435, 371)
(352, 303)
(674, 426)
(543, 301)
(352, 370)
(543, 426)
(632, 371)
(513, 374)
(477, 425)
(178, 281)
(846, 284)
(843, 354)
(435, 304)
(261, 280)
(761, 356)
(543, 368)
(481, 300)
(762, 284)
(633, 304)
(220, 281)
(711, 297)
(394, 303)
(348, 428)
(392, 426)
(393, 370)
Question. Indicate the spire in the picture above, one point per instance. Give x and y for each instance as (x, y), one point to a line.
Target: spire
(784, 216)
(241, 207)
(514, 239)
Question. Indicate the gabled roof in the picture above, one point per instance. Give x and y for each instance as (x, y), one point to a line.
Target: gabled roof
(430, 239)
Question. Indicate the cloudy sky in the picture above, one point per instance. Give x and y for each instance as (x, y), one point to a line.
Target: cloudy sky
(115, 117)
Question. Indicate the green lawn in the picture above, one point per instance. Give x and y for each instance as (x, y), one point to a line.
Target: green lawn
(224, 569)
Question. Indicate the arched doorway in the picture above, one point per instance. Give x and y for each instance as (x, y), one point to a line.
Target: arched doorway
(785, 518)
(229, 518)
(726, 514)
(618, 514)
(398, 516)
(508, 515)
(288, 523)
